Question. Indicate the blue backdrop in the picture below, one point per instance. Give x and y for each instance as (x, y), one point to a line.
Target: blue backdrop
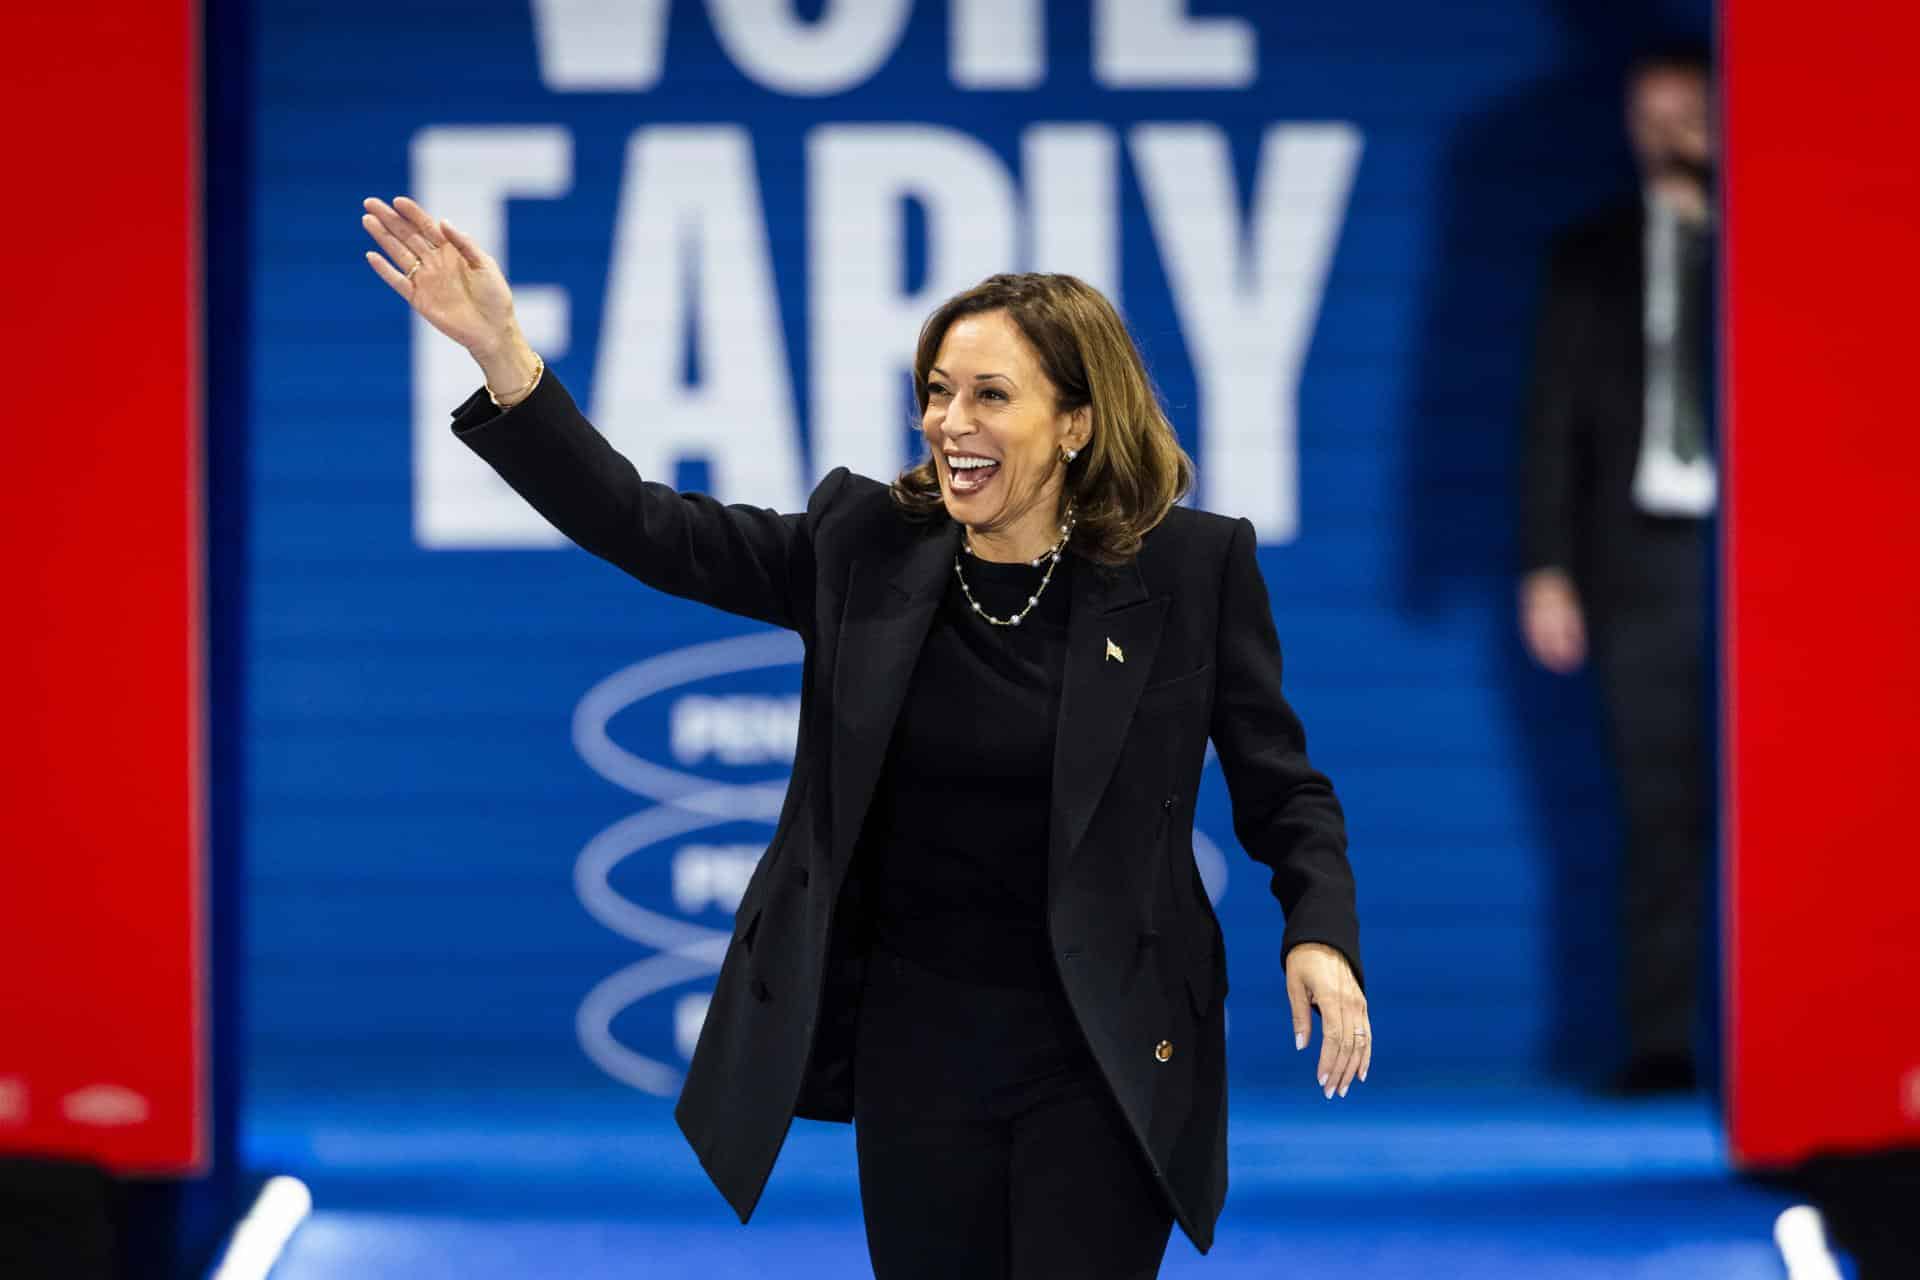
(723, 221)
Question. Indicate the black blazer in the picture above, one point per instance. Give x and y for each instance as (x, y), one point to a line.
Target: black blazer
(1138, 947)
(1586, 410)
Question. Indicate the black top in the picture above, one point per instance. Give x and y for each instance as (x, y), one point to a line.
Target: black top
(956, 840)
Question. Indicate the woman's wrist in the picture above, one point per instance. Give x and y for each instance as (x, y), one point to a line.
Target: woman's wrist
(509, 366)
(508, 399)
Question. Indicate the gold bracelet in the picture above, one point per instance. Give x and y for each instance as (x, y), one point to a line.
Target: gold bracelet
(539, 367)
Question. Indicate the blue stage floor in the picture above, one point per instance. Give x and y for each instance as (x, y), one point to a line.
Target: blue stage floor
(1388, 1183)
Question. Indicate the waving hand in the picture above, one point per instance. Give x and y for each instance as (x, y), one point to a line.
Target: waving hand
(443, 274)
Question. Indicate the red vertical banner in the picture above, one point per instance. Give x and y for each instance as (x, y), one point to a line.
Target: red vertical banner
(103, 986)
(1823, 579)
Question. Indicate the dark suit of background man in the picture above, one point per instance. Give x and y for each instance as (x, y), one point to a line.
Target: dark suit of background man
(1620, 488)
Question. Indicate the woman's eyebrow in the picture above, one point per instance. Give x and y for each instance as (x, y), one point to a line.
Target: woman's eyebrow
(978, 377)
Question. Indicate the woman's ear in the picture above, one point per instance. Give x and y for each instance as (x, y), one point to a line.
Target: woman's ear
(1079, 429)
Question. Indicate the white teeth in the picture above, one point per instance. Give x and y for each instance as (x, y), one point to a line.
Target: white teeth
(966, 464)
(969, 479)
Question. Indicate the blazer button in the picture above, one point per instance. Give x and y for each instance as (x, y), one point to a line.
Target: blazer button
(1163, 1050)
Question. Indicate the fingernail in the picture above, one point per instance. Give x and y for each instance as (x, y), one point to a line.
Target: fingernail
(1299, 1040)
(1363, 1077)
(1323, 1082)
(1344, 1088)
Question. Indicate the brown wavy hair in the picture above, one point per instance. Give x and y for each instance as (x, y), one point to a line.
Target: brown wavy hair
(1132, 469)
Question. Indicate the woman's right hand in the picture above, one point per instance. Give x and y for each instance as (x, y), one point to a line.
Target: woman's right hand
(458, 288)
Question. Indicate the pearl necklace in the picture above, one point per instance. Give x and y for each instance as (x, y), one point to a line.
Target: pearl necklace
(1051, 556)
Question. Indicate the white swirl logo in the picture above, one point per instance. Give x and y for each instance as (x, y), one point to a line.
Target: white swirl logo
(743, 729)
(733, 730)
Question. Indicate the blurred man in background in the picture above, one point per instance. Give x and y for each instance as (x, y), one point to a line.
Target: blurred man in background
(1620, 484)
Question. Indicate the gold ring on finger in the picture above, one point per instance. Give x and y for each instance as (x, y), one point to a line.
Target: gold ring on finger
(417, 264)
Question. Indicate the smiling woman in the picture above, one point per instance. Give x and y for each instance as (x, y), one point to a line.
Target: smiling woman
(1032, 397)
(980, 934)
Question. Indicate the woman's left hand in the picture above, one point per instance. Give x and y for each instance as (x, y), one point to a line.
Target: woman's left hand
(1319, 976)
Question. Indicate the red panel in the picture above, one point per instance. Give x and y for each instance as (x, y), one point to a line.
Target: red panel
(1823, 582)
(102, 983)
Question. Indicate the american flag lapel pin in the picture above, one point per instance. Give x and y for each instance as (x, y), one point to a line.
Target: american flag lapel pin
(1113, 651)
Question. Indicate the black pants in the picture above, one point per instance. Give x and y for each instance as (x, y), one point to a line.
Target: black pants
(989, 1147)
(1652, 640)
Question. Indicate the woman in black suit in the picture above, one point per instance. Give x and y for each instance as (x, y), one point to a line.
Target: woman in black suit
(978, 931)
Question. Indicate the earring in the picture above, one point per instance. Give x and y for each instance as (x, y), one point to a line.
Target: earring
(1069, 454)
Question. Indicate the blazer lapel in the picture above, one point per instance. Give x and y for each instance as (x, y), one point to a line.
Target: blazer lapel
(890, 604)
(1113, 632)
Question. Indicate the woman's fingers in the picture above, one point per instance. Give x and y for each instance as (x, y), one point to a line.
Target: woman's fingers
(1329, 1033)
(414, 214)
(384, 269)
(1323, 1072)
(475, 256)
(427, 227)
(396, 225)
(1356, 1036)
(390, 230)
(1319, 977)
(1356, 1029)
(1335, 1047)
(1346, 1030)
(399, 254)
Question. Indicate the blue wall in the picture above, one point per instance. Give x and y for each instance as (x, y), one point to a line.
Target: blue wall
(419, 793)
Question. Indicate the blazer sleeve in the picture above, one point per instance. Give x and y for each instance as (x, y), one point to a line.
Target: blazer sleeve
(1285, 814)
(747, 560)
(1549, 453)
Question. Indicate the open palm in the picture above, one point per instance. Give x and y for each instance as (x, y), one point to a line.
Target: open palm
(456, 286)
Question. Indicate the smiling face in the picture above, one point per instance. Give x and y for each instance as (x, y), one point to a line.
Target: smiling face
(996, 434)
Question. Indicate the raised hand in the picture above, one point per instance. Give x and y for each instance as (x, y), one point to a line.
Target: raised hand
(443, 275)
